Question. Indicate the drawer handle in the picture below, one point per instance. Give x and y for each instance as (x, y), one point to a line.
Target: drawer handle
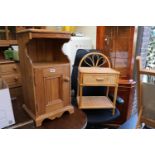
(16, 78)
(14, 68)
(99, 79)
(66, 79)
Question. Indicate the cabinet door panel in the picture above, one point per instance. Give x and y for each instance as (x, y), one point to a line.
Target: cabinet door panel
(52, 88)
(53, 91)
(117, 44)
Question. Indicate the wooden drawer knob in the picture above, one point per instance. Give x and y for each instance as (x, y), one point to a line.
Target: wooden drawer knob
(66, 79)
(16, 78)
(14, 68)
(99, 79)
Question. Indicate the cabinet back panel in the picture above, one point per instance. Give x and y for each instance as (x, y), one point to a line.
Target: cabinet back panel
(46, 50)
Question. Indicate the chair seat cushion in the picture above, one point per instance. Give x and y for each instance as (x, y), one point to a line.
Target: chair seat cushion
(95, 116)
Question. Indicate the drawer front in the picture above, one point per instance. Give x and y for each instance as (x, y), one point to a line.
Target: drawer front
(98, 79)
(9, 68)
(13, 80)
(56, 70)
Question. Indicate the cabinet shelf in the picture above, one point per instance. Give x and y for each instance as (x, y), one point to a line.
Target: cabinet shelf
(4, 61)
(5, 43)
(95, 102)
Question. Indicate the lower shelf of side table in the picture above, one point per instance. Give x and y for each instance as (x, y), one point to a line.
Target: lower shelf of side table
(95, 102)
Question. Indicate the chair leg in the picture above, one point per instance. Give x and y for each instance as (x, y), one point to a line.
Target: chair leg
(139, 119)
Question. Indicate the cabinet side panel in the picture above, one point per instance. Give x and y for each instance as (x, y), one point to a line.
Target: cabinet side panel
(27, 76)
(39, 91)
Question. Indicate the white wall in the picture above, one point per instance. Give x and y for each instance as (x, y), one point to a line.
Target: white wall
(88, 31)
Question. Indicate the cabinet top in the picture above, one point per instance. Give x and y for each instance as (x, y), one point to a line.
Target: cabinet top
(44, 33)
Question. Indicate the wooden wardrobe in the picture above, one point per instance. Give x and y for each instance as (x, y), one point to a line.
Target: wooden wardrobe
(45, 73)
(117, 44)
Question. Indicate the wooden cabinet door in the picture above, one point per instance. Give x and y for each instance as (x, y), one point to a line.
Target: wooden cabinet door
(117, 43)
(53, 89)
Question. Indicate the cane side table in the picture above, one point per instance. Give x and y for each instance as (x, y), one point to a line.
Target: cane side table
(97, 76)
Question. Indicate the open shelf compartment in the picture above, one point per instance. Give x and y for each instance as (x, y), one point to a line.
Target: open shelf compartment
(95, 102)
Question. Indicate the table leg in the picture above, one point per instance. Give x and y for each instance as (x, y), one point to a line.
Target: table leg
(107, 92)
(114, 101)
(80, 90)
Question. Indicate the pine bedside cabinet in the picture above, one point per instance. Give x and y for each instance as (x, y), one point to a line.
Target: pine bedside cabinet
(45, 73)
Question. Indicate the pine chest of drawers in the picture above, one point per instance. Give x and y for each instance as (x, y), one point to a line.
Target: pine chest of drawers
(10, 72)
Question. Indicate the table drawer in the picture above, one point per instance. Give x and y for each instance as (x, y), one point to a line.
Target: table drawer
(13, 80)
(98, 79)
(9, 68)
